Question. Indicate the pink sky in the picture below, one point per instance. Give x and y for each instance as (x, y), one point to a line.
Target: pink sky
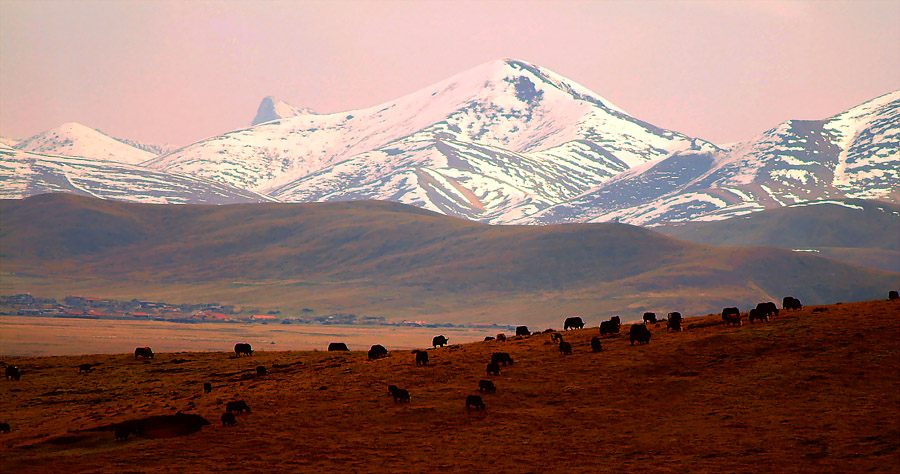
(178, 72)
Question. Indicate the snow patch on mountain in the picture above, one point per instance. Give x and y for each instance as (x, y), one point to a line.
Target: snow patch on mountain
(74, 139)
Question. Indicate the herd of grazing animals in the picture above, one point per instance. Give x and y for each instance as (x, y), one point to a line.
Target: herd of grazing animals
(638, 333)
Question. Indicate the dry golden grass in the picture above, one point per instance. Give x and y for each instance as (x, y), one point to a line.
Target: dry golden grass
(812, 391)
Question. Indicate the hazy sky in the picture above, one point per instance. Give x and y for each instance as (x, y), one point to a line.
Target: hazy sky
(178, 72)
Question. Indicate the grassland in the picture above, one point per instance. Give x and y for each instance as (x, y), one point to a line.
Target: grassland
(813, 391)
(386, 259)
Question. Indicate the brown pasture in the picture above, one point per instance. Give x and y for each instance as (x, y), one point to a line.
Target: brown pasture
(812, 391)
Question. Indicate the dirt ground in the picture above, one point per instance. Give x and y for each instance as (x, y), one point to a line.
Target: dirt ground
(812, 391)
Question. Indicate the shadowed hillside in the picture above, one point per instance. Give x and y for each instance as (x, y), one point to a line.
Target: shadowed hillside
(389, 259)
(861, 232)
(815, 390)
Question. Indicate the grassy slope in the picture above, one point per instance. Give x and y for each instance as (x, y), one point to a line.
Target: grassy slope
(813, 391)
(868, 237)
(393, 260)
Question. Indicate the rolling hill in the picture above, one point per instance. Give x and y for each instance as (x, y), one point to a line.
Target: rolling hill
(857, 231)
(816, 390)
(387, 259)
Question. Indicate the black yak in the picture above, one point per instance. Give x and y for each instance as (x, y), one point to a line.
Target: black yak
(639, 333)
(573, 322)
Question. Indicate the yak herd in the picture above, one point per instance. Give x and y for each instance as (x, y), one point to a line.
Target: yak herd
(639, 333)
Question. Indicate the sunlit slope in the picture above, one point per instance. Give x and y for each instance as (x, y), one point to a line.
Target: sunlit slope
(816, 390)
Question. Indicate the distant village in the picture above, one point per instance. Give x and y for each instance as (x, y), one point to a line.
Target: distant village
(84, 307)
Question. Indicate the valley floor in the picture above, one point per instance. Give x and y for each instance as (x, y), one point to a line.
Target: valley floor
(816, 390)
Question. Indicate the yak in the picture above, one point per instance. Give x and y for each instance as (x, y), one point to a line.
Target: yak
(488, 338)
(474, 401)
(565, 348)
(440, 341)
(337, 346)
(238, 406)
(377, 351)
(400, 395)
(522, 331)
(639, 333)
(556, 337)
(207, 387)
(649, 318)
(790, 303)
(573, 322)
(13, 373)
(609, 327)
(757, 314)
(421, 358)
(144, 352)
(4, 427)
(673, 321)
(228, 419)
(493, 368)
(243, 348)
(732, 316)
(893, 295)
(501, 358)
(595, 345)
(486, 386)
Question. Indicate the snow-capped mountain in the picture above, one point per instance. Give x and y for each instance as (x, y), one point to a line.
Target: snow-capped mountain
(75, 139)
(500, 141)
(855, 154)
(24, 174)
(273, 109)
(509, 142)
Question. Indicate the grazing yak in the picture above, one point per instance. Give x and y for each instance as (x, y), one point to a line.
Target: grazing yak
(474, 401)
(639, 333)
(421, 358)
(13, 373)
(732, 316)
(565, 348)
(609, 327)
(86, 367)
(673, 321)
(501, 358)
(649, 318)
(439, 341)
(238, 406)
(893, 295)
(400, 395)
(493, 368)
(573, 322)
(556, 337)
(501, 337)
(488, 338)
(767, 309)
(144, 352)
(243, 348)
(595, 345)
(260, 370)
(207, 387)
(228, 419)
(337, 346)
(377, 351)
(4, 427)
(522, 331)
(791, 303)
(486, 386)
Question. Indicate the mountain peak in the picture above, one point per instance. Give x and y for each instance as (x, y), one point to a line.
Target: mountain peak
(273, 109)
(75, 139)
